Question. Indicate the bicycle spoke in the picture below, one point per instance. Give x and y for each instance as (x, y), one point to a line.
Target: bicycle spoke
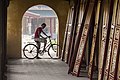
(53, 53)
(30, 51)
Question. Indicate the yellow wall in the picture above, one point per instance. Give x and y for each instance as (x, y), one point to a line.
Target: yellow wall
(16, 10)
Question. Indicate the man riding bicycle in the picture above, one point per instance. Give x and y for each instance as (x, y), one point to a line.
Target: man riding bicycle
(38, 38)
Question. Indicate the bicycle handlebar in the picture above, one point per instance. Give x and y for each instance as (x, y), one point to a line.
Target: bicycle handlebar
(50, 39)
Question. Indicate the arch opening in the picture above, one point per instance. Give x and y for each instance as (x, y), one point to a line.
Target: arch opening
(35, 16)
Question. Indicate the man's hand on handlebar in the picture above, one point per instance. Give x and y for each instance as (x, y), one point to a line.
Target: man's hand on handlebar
(49, 36)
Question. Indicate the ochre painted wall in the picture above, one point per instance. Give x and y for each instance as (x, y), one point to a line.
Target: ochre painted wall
(16, 10)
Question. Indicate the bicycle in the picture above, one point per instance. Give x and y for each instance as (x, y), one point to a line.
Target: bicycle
(31, 50)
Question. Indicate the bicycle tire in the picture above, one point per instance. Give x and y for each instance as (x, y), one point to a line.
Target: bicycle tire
(53, 51)
(30, 51)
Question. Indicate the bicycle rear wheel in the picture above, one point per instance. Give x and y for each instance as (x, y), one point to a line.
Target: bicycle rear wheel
(30, 51)
(53, 51)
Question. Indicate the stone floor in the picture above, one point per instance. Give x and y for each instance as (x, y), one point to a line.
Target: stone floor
(39, 69)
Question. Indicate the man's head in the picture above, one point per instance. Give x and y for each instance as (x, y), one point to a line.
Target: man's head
(43, 25)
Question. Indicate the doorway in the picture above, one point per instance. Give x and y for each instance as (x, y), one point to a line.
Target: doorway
(35, 16)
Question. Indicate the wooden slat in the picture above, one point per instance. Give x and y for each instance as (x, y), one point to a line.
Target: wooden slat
(118, 73)
(105, 37)
(67, 44)
(115, 52)
(108, 54)
(81, 11)
(104, 33)
(64, 43)
(104, 29)
(73, 28)
(92, 54)
(65, 37)
(70, 53)
(118, 22)
(68, 28)
(106, 69)
(68, 37)
(83, 41)
(78, 38)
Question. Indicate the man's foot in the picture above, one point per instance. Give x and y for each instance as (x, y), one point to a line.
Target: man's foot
(38, 58)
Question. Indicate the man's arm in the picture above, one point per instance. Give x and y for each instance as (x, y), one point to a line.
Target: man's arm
(45, 34)
(41, 36)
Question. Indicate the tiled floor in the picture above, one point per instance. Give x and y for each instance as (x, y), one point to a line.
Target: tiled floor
(39, 69)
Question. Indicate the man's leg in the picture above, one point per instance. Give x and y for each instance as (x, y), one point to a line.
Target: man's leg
(45, 42)
(38, 45)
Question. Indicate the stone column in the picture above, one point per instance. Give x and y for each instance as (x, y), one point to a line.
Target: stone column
(3, 31)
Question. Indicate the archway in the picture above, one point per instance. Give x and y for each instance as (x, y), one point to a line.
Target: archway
(35, 16)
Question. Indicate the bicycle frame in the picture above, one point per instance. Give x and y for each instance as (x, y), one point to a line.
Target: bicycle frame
(49, 43)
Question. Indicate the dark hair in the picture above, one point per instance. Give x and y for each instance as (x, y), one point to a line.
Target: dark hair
(43, 24)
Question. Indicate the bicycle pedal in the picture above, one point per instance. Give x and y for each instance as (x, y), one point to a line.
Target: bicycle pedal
(41, 54)
(40, 51)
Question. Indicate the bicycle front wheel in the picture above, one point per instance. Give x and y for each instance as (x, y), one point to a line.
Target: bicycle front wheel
(30, 51)
(53, 51)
